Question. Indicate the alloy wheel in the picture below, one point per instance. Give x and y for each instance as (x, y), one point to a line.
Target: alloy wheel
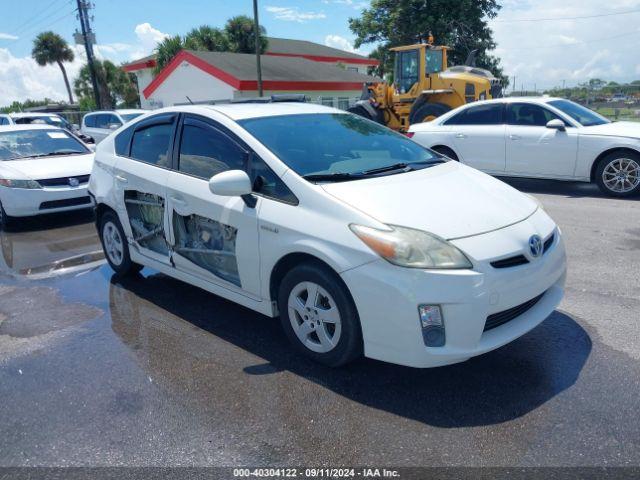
(113, 244)
(315, 317)
(621, 175)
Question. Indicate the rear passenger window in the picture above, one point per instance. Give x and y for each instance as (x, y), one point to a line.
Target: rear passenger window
(122, 141)
(489, 114)
(206, 151)
(90, 121)
(151, 144)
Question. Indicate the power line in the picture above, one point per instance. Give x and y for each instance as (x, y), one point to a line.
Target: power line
(39, 25)
(38, 17)
(565, 18)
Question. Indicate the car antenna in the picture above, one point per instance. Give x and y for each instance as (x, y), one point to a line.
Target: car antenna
(189, 99)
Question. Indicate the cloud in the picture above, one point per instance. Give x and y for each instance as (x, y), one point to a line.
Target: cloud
(565, 50)
(336, 41)
(22, 78)
(356, 5)
(7, 36)
(292, 14)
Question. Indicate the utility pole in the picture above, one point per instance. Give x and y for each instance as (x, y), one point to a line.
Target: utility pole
(88, 38)
(256, 26)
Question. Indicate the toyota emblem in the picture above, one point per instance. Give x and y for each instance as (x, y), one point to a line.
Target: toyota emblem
(535, 246)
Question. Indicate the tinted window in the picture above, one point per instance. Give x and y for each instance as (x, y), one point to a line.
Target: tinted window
(579, 113)
(206, 151)
(122, 142)
(4, 121)
(433, 61)
(90, 121)
(488, 114)
(151, 144)
(267, 183)
(103, 120)
(407, 65)
(527, 114)
(334, 143)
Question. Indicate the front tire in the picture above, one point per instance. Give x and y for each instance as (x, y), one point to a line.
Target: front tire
(115, 246)
(618, 174)
(318, 315)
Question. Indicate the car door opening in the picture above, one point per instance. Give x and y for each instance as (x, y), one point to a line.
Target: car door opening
(209, 244)
(146, 214)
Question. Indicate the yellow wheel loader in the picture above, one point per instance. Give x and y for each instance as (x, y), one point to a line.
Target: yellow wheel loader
(424, 87)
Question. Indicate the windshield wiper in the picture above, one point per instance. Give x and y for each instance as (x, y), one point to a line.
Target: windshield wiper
(53, 154)
(332, 177)
(406, 167)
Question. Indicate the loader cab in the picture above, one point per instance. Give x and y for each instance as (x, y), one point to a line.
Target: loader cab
(415, 63)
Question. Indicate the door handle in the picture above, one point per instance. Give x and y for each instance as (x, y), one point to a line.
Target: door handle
(460, 135)
(121, 179)
(178, 201)
(514, 137)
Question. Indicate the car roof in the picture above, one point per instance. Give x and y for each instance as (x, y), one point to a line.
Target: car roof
(28, 126)
(33, 114)
(121, 110)
(241, 111)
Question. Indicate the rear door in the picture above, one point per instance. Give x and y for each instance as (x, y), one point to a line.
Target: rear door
(479, 136)
(535, 150)
(141, 173)
(214, 238)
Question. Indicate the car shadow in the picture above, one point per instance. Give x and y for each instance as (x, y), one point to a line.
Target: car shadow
(50, 221)
(176, 331)
(559, 187)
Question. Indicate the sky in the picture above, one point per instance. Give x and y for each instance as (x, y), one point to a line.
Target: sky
(542, 43)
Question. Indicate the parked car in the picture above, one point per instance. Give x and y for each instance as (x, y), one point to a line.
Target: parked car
(359, 238)
(5, 119)
(539, 138)
(102, 123)
(42, 170)
(50, 119)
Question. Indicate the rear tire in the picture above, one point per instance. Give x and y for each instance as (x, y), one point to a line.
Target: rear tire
(446, 151)
(115, 246)
(363, 112)
(618, 174)
(319, 316)
(427, 112)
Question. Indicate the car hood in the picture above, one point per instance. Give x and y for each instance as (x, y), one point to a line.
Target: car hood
(618, 129)
(450, 200)
(47, 167)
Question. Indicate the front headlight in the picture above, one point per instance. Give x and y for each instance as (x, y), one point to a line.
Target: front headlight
(19, 183)
(407, 247)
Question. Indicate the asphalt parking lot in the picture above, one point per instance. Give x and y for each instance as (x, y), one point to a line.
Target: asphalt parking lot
(151, 371)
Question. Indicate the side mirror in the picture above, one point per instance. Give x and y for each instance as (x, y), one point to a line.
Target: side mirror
(556, 124)
(114, 126)
(232, 183)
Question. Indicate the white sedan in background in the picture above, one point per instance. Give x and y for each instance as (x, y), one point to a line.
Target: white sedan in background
(43, 169)
(539, 138)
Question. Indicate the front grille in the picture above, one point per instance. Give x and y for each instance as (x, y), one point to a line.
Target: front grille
(500, 318)
(548, 242)
(510, 262)
(67, 202)
(63, 181)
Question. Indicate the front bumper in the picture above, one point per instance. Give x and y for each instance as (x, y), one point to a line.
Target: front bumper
(387, 297)
(24, 202)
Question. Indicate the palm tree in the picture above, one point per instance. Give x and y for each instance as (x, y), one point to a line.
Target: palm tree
(49, 48)
(166, 50)
(240, 31)
(206, 38)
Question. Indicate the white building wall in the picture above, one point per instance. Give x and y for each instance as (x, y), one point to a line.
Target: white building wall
(188, 81)
(332, 98)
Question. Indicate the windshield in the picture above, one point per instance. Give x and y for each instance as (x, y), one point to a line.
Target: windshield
(433, 61)
(127, 117)
(582, 115)
(38, 143)
(337, 144)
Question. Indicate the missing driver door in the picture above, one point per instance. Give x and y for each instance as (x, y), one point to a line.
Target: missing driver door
(212, 237)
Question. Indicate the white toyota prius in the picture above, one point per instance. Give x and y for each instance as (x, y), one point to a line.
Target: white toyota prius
(362, 241)
(43, 169)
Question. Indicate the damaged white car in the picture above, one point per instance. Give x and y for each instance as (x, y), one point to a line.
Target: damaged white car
(361, 240)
